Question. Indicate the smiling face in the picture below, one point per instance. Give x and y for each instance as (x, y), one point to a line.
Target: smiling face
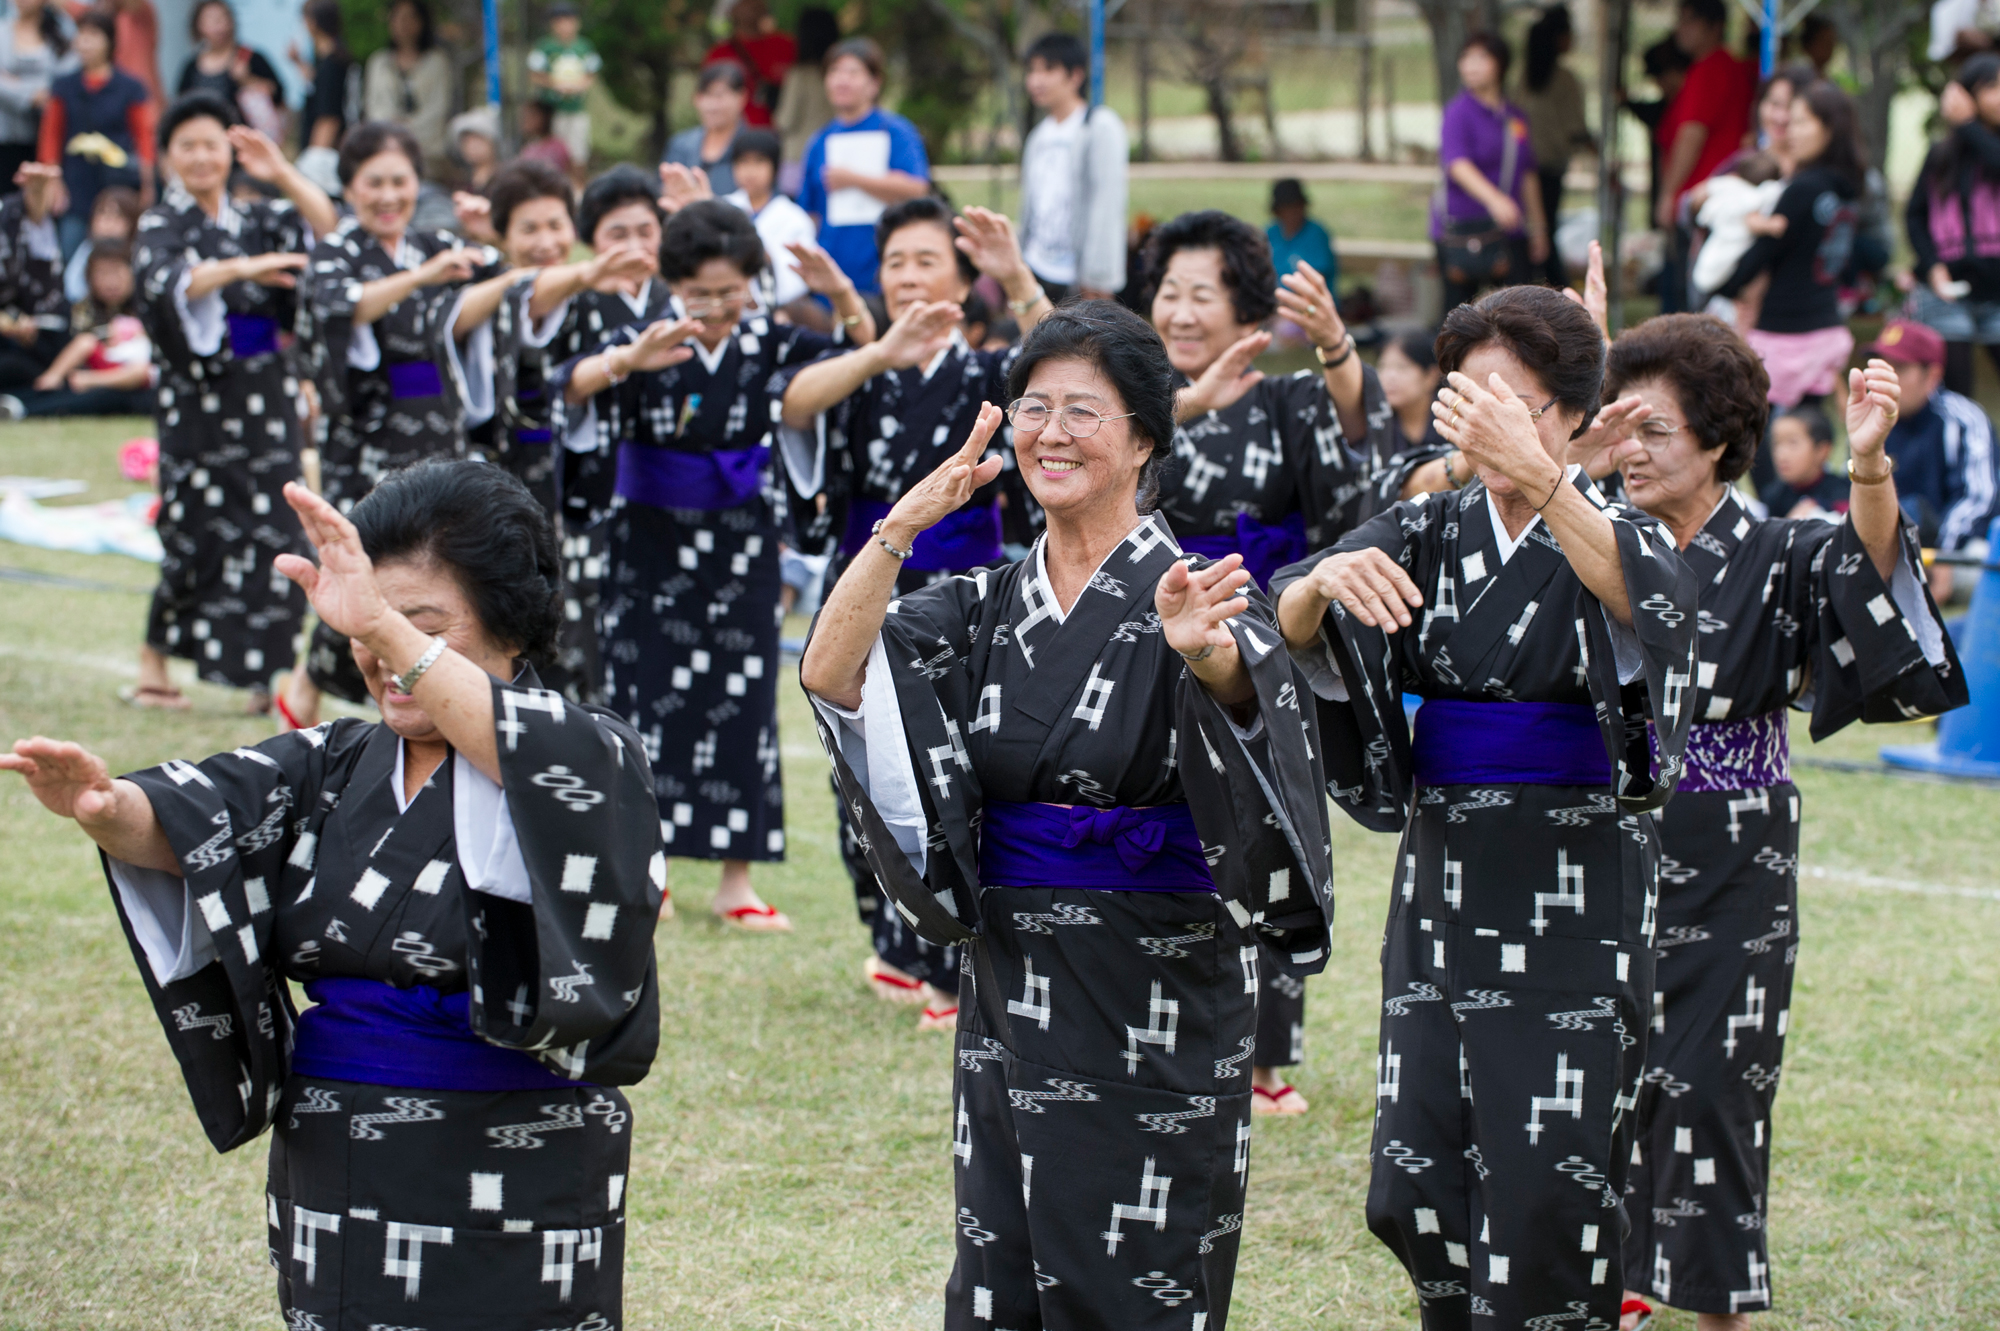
(920, 263)
(1070, 476)
(431, 597)
(1669, 472)
(384, 194)
(1554, 427)
(539, 233)
(1192, 311)
(199, 154)
(1774, 113)
(1806, 135)
(715, 296)
(635, 226)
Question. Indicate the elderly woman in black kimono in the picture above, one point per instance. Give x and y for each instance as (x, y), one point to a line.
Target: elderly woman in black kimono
(466, 891)
(215, 289)
(380, 299)
(1828, 616)
(886, 416)
(1090, 771)
(690, 620)
(1544, 626)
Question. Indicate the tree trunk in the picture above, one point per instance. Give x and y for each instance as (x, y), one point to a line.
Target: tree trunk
(1876, 33)
(1449, 25)
(1216, 86)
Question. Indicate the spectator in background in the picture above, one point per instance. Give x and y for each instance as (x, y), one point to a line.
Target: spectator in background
(1552, 99)
(1408, 369)
(475, 142)
(1073, 169)
(333, 102)
(864, 160)
(1666, 65)
(107, 368)
(98, 127)
(802, 106)
(765, 54)
(235, 73)
(563, 69)
(34, 323)
(114, 217)
(138, 43)
(1487, 221)
(781, 224)
(1297, 237)
(720, 92)
(34, 49)
(1817, 41)
(1801, 443)
(1957, 261)
(1942, 445)
(1704, 125)
(408, 83)
(538, 138)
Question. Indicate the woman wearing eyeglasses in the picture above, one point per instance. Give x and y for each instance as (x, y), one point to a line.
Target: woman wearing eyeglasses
(690, 611)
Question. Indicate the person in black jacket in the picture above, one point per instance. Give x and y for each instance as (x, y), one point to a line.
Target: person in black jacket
(1953, 221)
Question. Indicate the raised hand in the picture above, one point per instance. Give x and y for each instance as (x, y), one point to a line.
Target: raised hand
(454, 265)
(622, 268)
(682, 185)
(987, 238)
(1227, 380)
(475, 216)
(1612, 436)
(1195, 605)
(817, 269)
(256, 154)
(663, 343)
(275, 269)
(1306, 301)
(920, 333)
(945, 490)
(1494, 429)
(67, 778)
(1595, 298)
(39, 184)
(342, 586)
(1872, 406)
(1374, 588)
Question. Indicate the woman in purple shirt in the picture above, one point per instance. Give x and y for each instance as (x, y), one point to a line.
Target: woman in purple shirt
(1487, 216)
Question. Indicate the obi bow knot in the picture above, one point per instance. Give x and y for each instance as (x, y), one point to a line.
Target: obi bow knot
(1136, 837)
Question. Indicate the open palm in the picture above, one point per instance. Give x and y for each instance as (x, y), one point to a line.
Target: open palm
(342, 586)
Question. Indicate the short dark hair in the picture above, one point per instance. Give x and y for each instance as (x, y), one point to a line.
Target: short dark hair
(721, 71)
(710, 229)
(1664, 57)
(1246, 259)
(124, 199)
(1125, 349)
(371, 138)
(757, 143)
(1708, 11)
(524, 181)
(1418, 346)
(194, 17)
(863, 49)
(1494, 45)
(818, 31)
(104, 23)
(621, 185)
(1719, 380)
(108, 251)
(1059, 48)
(198, 105)
(924, 209)
(325, 15)
(1547, 332)
(1817, 425)
(480, 524)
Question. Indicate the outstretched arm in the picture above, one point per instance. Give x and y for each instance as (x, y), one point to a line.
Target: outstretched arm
(72, 781)
(481, 300)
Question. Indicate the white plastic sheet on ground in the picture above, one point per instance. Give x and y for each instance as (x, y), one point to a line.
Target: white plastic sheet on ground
(114, 527)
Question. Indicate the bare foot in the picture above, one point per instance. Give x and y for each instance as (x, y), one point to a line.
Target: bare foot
(1271, 1094)
(737, 903)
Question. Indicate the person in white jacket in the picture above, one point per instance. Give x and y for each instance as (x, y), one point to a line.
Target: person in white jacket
(1737, 207)
(1073, 170)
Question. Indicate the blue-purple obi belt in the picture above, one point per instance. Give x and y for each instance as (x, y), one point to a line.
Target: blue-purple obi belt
(671, 478)
(1461, 743)
(1734, 755)
(372, 1032)
(1266, 547)
(1109, 850)
(968, 538)
(251, 335)
(414, 379)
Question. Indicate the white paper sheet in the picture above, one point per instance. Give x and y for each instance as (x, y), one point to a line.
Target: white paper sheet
(865, 151)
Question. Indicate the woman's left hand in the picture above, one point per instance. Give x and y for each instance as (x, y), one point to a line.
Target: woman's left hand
(342, 585)
(681, 185)
(1872, 405)
(1194, 606)
(818, 270)
(987, 238)
(1596, 297)
(256, 154)
(1493, 428)
(1611, 438)
(1303, 297)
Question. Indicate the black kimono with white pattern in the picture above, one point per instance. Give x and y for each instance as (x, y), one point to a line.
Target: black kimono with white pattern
(401, 1205)
(31, 285)
(1792, 614)
(521, 434)
(1517, 967)
(230, 433)
(689, 629)
(1102, 1098)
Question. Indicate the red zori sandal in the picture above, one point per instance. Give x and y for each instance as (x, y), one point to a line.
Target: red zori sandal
(1284, 1100)
(889, 986)
(1635, 1308)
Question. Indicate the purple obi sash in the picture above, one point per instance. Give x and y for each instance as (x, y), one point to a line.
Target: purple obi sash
(414, 378)
(968, 538)
(251, 335)
(533, 436)
(371, 1032)
(1266, 547)
(671, 478)
(1735, 755)
(1110, 850)
(1508, 744)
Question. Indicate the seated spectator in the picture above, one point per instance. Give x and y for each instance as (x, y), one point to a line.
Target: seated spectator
(98, 127)
(538, 139)
(1296, 238)
(780, 222)
(1942, 446)
(863, 161)
(1801, 443)
(34, 319)
(115, 216)
(720, 92)
(107, 368)
(765, 54)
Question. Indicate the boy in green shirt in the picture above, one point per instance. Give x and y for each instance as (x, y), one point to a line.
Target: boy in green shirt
(562, 68)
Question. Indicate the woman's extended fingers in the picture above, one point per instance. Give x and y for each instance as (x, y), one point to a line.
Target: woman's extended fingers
(981, 434)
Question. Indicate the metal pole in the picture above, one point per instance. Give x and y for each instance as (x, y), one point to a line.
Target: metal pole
(1610, 182)
(1768, 47)
(1096, 52)
(490, 11)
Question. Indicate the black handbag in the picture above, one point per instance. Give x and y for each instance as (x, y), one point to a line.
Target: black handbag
(1474, 251)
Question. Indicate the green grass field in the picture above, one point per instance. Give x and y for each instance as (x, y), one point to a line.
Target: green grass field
(792, 1164)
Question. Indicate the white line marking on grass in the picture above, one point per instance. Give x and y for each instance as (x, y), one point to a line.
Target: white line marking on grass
(1876, 883)
(114, 665)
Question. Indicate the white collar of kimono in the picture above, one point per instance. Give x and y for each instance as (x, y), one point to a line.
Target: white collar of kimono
(229, 219)
(489, 853)
(1051, 608)
(957, 343)
(1509, 544)
(638, 300)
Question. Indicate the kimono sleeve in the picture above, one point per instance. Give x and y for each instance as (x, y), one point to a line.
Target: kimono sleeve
(1332, 473)
(161, 268)
(595, 424)
(569, 976)
(1257, 795)
(244, 826)
(30, 263)
(1864, 648)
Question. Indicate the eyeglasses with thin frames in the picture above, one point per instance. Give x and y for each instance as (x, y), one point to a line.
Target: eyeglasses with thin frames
(1078, 421)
